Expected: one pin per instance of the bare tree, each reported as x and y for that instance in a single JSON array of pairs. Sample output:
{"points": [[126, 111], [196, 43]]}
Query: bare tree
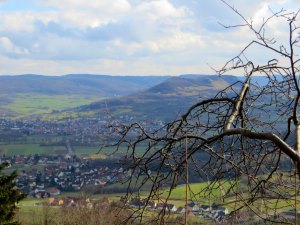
{"points": [[244, 142]]}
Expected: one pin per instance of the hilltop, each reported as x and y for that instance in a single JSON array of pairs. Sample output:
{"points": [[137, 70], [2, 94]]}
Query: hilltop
{"points": [[144, 97], [163, 101], [101, 85]]}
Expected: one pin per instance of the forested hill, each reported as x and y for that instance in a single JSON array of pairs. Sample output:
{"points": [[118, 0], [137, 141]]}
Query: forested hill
{"points": [[27, 95], [166, 100], [102, 85], [159, 97]]}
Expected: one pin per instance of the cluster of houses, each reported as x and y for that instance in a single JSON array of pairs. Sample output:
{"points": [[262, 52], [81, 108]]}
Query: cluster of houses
{"points": [[63, 173], [213, 212], [41, 159], [70, 173], [81, 202], [83, 130]]}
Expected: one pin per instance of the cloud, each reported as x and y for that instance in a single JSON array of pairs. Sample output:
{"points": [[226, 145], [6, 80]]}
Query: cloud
{"points": [[81, 13], [160, 9], [7, 47], [179, 41], [123, 35], [116, 6]]}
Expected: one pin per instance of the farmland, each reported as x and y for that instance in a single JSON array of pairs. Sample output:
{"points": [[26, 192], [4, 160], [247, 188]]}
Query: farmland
{"points": [[30, 149], [35, 148], [29, 104], [30, 208]]}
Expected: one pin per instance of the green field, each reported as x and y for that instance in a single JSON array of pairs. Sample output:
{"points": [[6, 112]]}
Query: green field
{"points": [[105, 150], [37, 139], [32, 211], [29, 209], [29, 104], [30, 149], [85, 150], [35, 148], [194, 189]]}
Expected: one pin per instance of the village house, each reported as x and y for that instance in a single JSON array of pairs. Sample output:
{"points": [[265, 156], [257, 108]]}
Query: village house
{"points": [[171, 208], [194, 207], [54, 191], [205, 208]]}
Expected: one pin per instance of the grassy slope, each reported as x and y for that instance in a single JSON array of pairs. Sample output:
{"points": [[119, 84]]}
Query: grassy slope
{"points": [[166, 100]]}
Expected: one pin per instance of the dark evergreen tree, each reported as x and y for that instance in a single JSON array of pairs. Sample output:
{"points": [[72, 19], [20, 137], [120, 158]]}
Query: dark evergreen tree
{"points": [[9, 197]]}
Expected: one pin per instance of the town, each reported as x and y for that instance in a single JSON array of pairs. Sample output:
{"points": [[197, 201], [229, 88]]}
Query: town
{"points": [[84, 131], [67, 173]]}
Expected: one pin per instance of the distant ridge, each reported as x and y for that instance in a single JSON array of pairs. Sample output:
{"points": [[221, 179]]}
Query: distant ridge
{"points": [[165, 100], [103, 85], [189, 84], [149, 97]]}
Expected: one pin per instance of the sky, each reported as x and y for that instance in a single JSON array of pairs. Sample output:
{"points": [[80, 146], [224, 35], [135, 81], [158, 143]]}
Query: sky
{"points": [[127, 37]]}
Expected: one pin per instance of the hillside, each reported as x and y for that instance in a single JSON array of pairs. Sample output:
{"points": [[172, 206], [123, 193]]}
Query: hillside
{"points": [[24, 95], [164, 101], [146, 97], [102, 85]]}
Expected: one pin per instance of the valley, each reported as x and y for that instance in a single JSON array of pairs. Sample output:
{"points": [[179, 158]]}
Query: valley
{"points": [[60, 137]]}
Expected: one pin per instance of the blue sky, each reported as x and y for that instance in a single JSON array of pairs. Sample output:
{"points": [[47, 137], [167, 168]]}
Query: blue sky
{"points": [[126, 37]]}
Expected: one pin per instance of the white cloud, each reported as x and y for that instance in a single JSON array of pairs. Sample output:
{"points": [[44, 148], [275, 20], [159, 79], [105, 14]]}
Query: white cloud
{"points": [[179, 41], [9, 48], [116, 6], [160, 9], [128, 36], [84, 13], [17, 21]]}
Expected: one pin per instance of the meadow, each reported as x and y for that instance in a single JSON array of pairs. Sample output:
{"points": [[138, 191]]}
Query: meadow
{"points": [[30, 149], [34, 145], [34, 104], [32, 211], [35, 211]]}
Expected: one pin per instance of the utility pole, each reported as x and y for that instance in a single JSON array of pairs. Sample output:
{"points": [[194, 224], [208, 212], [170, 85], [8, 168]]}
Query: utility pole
{"points": [[186, 181]]}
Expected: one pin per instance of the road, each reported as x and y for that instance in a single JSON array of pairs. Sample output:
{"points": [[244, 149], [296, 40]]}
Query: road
{"points": [[69, 148]]}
